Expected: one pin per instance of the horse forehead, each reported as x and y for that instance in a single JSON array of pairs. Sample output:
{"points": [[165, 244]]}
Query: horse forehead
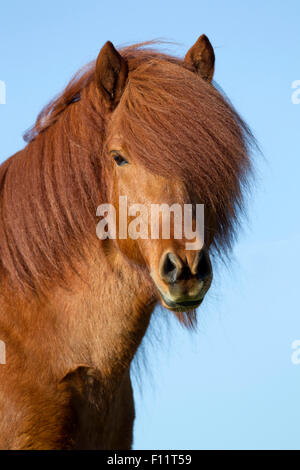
{"points": [[116, 141]]}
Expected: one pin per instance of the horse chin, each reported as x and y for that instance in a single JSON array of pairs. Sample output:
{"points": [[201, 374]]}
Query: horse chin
{"points": [[188, 306]]}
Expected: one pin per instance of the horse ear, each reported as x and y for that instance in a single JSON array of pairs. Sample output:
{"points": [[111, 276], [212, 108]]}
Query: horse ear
{"points": [[201, 58], [111, 73]]}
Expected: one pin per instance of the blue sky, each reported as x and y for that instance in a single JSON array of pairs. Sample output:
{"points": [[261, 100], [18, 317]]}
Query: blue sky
{"points": [[232, 383]]}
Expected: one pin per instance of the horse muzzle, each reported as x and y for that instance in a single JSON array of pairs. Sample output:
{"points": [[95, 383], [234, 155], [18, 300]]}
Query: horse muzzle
{"points": [[182, 284]]}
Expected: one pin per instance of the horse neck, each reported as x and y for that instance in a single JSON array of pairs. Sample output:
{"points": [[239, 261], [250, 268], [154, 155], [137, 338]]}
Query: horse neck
{"points": [[98, 321]]}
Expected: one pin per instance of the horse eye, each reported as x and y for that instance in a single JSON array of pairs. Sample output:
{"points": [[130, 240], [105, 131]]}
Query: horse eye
{"points": [[120, 161]]}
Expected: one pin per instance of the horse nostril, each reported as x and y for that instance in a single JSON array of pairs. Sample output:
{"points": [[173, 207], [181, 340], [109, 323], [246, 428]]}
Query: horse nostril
{"points": [[204, 269], [170, 268]]}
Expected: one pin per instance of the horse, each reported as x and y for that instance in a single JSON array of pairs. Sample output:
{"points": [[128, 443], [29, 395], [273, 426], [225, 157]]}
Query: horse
{"points": [[136, 122]]}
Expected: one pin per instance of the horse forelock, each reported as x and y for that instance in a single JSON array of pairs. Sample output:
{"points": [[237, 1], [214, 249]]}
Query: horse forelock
{"points": [[178, 125]]}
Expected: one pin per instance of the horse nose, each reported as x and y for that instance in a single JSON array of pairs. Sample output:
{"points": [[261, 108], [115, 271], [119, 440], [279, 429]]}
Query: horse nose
{"points": [[173, 269]]}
